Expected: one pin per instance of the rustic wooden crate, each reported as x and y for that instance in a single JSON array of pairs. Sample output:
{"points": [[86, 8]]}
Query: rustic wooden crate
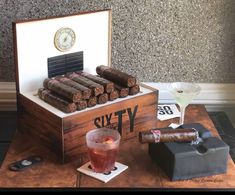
{"points": [[66, 136], [65, 133]]}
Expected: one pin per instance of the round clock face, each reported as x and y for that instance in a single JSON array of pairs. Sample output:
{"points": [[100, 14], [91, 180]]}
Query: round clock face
{"points": [[64, 39]]}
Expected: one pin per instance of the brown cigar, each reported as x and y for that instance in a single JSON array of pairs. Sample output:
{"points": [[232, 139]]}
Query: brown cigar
{"points": [[62, 89], [108, 85], [122, 91], [103, 98], [81, 105], [116, 76], [134, 90], [113, 95], [172, 135], [96, 88], [56, 101], [92, 101], [86, 92]]}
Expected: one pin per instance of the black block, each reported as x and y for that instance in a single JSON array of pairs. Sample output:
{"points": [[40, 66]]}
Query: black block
{"points": [[3, 151], [8, 125], [185, 161]]}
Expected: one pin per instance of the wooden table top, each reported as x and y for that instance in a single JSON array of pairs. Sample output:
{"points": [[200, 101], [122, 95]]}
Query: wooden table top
{"points": [[141, 172]]}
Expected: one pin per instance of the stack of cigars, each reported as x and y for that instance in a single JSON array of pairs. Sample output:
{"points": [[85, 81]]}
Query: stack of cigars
{"points": [[76, 91]]}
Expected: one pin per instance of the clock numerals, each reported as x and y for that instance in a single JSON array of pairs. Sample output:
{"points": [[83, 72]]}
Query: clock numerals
{"points": [[64, 39]]}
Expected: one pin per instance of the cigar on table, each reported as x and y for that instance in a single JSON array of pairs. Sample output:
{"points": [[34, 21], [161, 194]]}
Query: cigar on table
{"points": [[108, 85], [102, 98], [116, 76], [113, 95], [96, 88], [81, 105], [92, 101], [56, 101], [172, 135], [122, 91], [86, 92], [134, 90], [62, 89]]}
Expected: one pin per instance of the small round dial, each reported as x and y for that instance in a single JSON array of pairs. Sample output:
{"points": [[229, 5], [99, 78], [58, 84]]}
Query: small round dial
{"points": [[64, 39]]}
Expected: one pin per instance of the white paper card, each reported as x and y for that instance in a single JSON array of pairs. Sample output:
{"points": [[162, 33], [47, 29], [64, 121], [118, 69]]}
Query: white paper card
{"points": [[86, 169], [167, 111], [174, 125]]}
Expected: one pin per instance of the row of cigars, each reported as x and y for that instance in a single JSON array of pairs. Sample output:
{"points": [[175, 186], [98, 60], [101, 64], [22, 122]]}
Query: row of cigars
{"points": [[79, 90]]}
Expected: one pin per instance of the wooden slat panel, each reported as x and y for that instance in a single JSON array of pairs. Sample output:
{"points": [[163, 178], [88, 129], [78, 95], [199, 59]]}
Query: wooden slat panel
{"points": [[24, 104], [39, 124], [145, 118]]}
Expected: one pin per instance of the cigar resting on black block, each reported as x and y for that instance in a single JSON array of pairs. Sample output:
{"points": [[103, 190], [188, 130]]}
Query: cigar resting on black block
{"points": [[116, 76], [86, 92], [81, 105], [92, 101], [56, 101], [134, 90], [62, 89], [102, 98], [113, 95], [96, 88], [122, 91], [108, 85], [172, 135]]}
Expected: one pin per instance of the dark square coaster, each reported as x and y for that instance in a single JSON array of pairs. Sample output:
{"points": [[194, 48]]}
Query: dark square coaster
{"points": [[7, 125]]}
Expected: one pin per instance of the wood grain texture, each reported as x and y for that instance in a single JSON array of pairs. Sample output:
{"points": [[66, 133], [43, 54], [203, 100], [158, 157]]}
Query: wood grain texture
{"points": [[66, 136], [129, 117], [41, 125], [49, 173]]}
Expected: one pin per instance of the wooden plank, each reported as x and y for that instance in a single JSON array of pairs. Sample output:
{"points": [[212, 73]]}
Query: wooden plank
{"points": [[24, 104], [36, 126], [49, 173]]}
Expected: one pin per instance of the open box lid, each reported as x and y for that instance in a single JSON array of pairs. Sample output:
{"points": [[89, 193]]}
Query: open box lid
{"points": [[34, 42]]}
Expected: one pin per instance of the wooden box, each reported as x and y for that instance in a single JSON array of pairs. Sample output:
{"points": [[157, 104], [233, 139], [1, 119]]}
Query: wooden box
{"points": [[61, 132]]}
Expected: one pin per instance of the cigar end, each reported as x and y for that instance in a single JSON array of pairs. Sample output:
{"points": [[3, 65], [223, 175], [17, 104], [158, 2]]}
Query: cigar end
{"points": [[131, 82]]}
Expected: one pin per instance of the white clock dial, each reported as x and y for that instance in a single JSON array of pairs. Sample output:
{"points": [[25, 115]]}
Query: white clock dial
{"points": [[64, 39]]}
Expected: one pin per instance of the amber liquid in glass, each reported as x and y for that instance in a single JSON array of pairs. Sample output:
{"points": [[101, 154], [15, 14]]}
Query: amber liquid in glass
{"points": [[102, 161]]}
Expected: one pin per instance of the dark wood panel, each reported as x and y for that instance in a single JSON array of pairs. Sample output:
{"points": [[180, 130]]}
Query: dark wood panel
{"points": [[40, 125], [26, 105], [137, 114]]}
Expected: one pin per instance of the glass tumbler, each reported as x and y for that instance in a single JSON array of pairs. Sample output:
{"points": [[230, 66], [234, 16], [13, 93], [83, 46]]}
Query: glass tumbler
{"points": [[103, 145]]}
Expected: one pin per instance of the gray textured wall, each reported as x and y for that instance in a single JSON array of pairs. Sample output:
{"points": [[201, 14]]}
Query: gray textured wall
{"points": [[156, 40]]}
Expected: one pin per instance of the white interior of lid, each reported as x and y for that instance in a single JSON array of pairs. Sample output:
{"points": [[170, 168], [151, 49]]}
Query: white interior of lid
{"points": [[35, 44], [34, 97]]}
